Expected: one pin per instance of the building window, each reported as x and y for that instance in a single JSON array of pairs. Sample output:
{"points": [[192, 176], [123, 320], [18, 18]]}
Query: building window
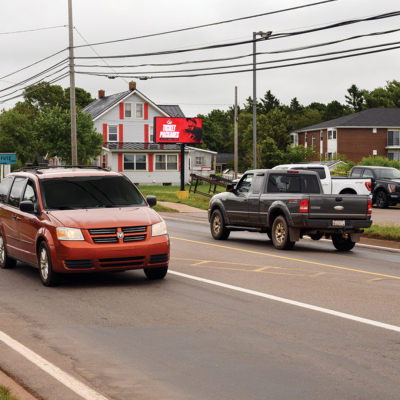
{"points": [[166, 162], [128, 110], [151, 134], [329, 156], [295, 139], [332, 135], [200, 161], [394, 156], [393, 138], [305, 138], [135, 162], [313, 140], [139, 110], [104, 161], [113, 133]]}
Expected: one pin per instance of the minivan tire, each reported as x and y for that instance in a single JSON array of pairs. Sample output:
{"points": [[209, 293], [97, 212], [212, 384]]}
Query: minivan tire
{"points": [[46, 272], [5, 260], [156, 273]]}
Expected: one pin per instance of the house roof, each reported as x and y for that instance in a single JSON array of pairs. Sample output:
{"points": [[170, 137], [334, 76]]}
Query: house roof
{"points": [[372, 118], [200, 149], [172, 110], [103, 104]]}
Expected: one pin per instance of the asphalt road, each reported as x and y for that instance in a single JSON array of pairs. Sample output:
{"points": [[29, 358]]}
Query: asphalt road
{"points": [[233, 319]]}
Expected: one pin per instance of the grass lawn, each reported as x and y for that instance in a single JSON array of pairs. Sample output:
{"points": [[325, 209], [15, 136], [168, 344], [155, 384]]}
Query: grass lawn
{"points": [[168, 193], [383, 231]]}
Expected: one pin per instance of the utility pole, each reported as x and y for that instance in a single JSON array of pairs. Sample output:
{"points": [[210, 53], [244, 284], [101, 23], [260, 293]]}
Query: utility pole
{"points": [[236, 137], [74, 149]]}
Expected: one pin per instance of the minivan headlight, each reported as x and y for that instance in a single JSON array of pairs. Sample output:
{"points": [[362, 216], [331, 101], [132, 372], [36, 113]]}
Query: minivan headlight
{"points": [[159, 229], [64, 233]]}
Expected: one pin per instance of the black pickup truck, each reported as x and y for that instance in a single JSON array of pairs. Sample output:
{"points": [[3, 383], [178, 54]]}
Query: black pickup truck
{"points": [[286, 205], [385, 183]]}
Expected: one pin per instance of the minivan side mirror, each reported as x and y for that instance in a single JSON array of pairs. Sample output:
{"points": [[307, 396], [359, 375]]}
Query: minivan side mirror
{"points": [[151, 200], [27, 206]]}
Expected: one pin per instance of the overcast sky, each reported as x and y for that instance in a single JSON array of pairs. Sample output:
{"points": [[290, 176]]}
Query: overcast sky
{"points": [[103, 20]]}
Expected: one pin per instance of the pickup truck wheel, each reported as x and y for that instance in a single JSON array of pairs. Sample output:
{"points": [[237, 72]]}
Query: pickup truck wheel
{"points": [[218, 228], [341, 243], [381, 200], [280, 234], [5, 261]]}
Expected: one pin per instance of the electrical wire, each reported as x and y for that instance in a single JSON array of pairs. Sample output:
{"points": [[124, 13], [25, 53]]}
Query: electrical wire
{"points": [[208, 25], [33, 30], [257, 69]]}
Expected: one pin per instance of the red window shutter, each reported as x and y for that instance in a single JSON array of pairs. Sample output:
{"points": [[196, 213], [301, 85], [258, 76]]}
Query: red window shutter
{"points": [[121, 110], [105, 131], [146, 133], [179, 162], [146, 110], [151, 162], [121, 133], [120, 162]]}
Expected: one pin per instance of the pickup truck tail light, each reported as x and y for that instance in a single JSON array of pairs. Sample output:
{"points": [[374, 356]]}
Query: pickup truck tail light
{"points": [[368, 185], [303, 208], [369, 207]]}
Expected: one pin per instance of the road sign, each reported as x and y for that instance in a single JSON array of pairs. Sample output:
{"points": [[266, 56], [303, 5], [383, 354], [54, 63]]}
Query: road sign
{"points": [[8, 158]]}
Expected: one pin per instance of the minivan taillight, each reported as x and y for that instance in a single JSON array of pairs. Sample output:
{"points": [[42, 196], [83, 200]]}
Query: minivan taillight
{"points": [[304, 206], [368, 185], [369, 207]]}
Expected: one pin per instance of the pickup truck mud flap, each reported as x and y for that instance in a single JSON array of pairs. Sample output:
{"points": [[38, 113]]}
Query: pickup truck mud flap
{"points": [[294, 234]]}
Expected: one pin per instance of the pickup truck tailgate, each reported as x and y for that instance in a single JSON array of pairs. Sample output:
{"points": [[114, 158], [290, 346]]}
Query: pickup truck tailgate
{"points": [[346, 206]]}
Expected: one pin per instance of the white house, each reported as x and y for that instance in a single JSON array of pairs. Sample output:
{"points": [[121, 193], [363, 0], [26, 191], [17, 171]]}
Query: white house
{"points": [[126, 121]]}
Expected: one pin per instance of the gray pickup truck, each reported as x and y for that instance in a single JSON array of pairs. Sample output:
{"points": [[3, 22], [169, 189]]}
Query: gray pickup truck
{"points": [[286, 205]]}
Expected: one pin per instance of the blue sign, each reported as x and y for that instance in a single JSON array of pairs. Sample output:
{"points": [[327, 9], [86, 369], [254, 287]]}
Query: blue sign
{"points": [[8, 158]]}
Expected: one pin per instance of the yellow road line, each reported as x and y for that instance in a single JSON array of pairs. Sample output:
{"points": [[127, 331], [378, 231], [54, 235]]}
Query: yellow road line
{"points": [[287, 258]]}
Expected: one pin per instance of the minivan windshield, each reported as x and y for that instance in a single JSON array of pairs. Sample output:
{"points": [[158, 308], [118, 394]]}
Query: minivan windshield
{"points": [[89, 192], [388, 173]]}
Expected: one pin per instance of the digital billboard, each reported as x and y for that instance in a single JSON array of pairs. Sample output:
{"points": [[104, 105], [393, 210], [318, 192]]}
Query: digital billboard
{"points": [[178, 130]]}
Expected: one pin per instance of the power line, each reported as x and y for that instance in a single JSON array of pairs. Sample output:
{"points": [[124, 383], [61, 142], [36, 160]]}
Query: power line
{"points": [[33, 30], [259, 69], [207, 25], [242, 56], [271, 37]]}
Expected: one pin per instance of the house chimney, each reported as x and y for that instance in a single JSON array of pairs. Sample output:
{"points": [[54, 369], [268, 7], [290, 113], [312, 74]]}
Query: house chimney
{"points": [[102, 93], [132, 85]]}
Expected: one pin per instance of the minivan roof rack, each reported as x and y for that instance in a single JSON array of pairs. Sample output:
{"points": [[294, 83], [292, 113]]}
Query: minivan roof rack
{"points": [[37, 169]]}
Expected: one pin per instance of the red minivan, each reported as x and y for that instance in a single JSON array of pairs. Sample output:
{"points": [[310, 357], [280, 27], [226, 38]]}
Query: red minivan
{"points": [[78, 220]]}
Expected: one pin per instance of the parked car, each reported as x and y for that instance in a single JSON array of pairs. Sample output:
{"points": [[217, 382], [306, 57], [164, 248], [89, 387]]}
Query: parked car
{"points": [[333, 184], [287, 204], [385, 183], [76, 220]]}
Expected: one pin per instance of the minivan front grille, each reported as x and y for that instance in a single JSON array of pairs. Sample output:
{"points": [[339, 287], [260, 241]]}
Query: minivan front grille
{"points": [[103, 231], [111, 235], [134, 229], [108, 239], [78, 264], [134, 238], [121, 262], [159, 258]]}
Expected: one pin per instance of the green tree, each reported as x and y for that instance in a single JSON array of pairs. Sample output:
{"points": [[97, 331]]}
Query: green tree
{"points": [[212, 134], [299, 154], [308, 117], [355, 98], [16, 135], [269, 102], [53, 128], [317, 106], [270, 154], [378, 98], [335, 110]]}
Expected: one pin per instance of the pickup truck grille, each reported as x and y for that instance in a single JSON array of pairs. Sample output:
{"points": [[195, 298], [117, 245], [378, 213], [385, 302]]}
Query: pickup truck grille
{"points": [[113, 235]]}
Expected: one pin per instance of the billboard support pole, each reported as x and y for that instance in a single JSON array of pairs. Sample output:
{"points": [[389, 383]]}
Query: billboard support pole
{"points": [[182, 166]]}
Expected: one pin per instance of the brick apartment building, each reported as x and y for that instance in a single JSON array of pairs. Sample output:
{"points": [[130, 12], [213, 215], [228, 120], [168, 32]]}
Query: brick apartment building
{"points": [[373, 132]]}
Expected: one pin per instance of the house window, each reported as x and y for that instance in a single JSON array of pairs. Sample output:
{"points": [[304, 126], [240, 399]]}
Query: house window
{"points": [[166, 162], [305, 138], [104, 161], [393, 138], [135, 162], [295, 139], [329, 156], [128, 110], [394, 156], [139, 110], [332, 135], [113, 133], [151, 134], [313, 140], [200, 161]]}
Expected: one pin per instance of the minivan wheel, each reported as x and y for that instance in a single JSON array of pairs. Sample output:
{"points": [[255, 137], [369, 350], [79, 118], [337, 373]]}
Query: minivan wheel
{"points": [[156, 273], [5, 260], [341, 243], [47, 275], [280, 234], [218, 228]]}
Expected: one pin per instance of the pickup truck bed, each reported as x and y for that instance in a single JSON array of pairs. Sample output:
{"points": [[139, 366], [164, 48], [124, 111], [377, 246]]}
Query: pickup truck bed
{"points": [[287, 205]]}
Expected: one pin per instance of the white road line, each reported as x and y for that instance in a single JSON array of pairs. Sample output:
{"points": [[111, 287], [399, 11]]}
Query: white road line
{"points": [[292, 302], [66, 379]]}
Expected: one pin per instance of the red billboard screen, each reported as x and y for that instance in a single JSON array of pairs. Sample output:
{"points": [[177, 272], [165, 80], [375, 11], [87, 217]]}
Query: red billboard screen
{"points": [[178, 130]]}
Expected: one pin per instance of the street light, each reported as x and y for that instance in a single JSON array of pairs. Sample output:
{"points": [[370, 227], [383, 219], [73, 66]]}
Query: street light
{"points": [[264, 35]]}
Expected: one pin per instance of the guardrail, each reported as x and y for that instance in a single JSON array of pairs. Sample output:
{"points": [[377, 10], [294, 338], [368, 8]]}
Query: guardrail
{"points": [[213, 182]]}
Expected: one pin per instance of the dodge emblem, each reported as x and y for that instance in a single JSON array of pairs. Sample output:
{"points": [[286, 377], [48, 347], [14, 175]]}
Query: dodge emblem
{"points": [[120, 235]]}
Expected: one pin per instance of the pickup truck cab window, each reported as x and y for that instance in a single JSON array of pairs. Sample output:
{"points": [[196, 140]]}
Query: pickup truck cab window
{"points": [[293, 183], [245, 183], [356, 173], [257, 183], [368, 173]]}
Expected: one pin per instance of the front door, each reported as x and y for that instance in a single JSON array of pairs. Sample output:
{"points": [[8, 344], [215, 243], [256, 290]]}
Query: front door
{"points": [[236, 204]]}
